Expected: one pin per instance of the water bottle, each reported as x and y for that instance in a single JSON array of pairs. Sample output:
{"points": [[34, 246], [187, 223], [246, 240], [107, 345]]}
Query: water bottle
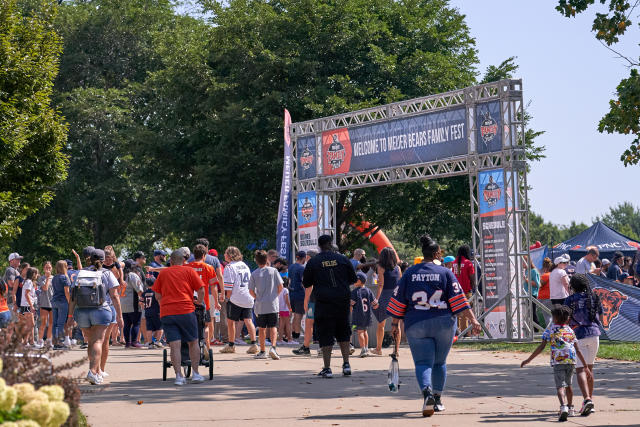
{"points": [[216, 315], [393, 376]]}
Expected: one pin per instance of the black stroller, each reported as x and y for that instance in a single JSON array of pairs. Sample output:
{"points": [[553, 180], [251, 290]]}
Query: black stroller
{"points": [[184, 350]]}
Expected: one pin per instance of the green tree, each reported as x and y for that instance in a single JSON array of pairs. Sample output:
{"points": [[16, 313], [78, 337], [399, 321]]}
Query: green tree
{"points": [[624, 111], [32, 133], [625, 218]]}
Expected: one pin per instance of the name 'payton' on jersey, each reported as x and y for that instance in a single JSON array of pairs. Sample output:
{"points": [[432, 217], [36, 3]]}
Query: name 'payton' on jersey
{"points": [[425, 277]]}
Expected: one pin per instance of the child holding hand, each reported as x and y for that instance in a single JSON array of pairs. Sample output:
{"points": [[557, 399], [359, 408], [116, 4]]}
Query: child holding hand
{"points": [[564, 353]]}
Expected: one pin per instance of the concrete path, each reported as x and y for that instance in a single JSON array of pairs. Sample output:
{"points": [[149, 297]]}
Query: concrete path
{"points": [[482, 388]]}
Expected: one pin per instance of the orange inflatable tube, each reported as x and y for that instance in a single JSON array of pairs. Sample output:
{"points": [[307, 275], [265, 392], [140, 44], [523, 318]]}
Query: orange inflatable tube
{"points": [[379, 239]]}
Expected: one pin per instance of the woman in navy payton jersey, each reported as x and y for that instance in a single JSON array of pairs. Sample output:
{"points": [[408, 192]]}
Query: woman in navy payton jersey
{"points": [[427, 298]]}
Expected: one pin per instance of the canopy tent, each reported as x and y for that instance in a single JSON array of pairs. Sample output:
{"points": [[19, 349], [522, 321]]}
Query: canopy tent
{"points": [[603, 237]]}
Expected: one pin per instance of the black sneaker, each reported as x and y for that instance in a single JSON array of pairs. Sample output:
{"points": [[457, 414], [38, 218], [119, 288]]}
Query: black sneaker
{"points": [[325, 373], [84, 346], [438, 406], [429, 403], [587, 408], [346, 369], [302, 351]]}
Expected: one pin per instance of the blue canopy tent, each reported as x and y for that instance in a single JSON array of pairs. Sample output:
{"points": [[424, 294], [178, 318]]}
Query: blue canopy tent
{"points": [[603, 237]]}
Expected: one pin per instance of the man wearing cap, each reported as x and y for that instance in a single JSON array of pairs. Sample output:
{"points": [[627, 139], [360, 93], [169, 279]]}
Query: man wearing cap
{"points": [[559, 280], [615, 269], [605, 267], [296, 292], [10, 277], [329, 276], [448, 261], [586, 265], [159, 261], [174, 290]]}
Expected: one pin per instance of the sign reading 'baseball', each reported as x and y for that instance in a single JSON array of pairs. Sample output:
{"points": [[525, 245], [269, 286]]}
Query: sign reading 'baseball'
{"points": [[413, 140]]}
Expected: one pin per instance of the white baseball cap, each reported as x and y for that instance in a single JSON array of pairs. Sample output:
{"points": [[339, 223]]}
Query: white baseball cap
{"points": [[14, 255], [561, 258]]}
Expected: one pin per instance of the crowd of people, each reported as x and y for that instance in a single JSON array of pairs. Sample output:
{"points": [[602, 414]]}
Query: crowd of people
{"points": [[101, 302]]}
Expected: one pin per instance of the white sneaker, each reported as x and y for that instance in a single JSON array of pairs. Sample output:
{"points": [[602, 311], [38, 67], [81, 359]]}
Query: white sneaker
{"points": [[94, 378], [196, 378], [37, 345], [103, 374], [74, 342], [180, 380], [67, 341], [364, 352], [274, 354], [261, 355], [294, 342]]}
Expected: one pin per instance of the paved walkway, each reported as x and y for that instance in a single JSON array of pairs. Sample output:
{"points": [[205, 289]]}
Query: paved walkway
{"points": [[482, 388]]}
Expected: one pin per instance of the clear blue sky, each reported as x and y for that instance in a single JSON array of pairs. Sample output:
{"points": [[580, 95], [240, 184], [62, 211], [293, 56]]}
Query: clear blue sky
{"points": [[569, 78]]}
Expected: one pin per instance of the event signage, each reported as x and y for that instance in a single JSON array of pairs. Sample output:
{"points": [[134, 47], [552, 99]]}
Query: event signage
{"points": [[400, 142], [307, 221], [488, 127], [306, 157], [620, 319], [283, 231], [494, 250]]}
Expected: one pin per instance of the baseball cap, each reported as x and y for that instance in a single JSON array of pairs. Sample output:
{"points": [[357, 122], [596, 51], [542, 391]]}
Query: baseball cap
{"points": [[69, 263], [449, 258], [301, 254], [14, 255], [186, 252], [561, 258], [623, 276], [159, 252], [617, 254], [129, 263], [213, 252], [139, 254], [88, 251], [361, 276], [605, 261], [98, 254]]}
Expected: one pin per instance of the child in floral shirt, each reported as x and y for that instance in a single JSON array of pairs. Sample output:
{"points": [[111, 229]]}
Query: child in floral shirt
{"points": [[564, 350]]}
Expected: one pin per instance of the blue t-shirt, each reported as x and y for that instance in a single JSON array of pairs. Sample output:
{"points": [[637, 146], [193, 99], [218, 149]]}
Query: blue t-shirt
{"points": [[426, 291], [296, 290], [355, 263], [362, 300], [151, 306], [391, 278], [580, 321], [208, 259], [614, 271], [58, 283]]}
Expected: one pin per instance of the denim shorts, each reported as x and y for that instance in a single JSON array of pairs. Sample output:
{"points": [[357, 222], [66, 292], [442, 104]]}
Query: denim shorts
{"points": [[113, 314], [5, 319], [88, 317], [180, 327]]}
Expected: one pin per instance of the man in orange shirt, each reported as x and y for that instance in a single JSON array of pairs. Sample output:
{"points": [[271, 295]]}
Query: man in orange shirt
{"points": [[208, 276], [174, 289]]}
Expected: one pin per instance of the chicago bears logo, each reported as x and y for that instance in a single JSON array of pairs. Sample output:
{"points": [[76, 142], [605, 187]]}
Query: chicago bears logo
{"points": [[611, 303], [336, 153], [488, 128], [491, 193], [307, 209], [306, 158]]}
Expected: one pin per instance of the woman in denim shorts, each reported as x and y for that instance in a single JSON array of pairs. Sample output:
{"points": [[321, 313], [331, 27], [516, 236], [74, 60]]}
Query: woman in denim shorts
{"points": [[94, 321]]}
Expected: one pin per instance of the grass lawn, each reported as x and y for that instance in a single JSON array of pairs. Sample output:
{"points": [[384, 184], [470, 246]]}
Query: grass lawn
{"points": [[618, 350]]}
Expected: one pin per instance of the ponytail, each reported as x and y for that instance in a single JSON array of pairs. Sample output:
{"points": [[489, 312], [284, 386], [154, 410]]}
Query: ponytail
{"points": [[429, 247]]}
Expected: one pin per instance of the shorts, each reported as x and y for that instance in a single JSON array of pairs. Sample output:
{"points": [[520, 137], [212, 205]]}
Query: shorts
{"points": [[212, 304], [362, 327], [113, 314], [153, 323], [283, 314], [311, 310], [563, 374], [24, 310], [269, 320], [5, 319], [180, 327], [46, 308], [383, 302], [559, 301], [237, 313], [88, 317], [589, 348], [332, 323], [297, 306]]}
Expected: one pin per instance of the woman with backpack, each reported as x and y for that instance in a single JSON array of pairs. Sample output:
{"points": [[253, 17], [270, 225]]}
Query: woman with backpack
{"points": [[130, 298], [93, 295], [586, 308]]}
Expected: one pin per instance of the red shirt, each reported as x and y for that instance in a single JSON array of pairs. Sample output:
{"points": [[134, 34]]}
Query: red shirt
{"points": [[544, 292], [206, 273], [463, 273], [177, 284]]}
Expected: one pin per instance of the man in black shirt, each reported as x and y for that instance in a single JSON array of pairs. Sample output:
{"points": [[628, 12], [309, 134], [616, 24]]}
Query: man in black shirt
{"points": [[329, 276]]}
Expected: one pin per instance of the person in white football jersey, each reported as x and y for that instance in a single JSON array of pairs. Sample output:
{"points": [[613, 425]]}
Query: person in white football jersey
{"points": [[240, 305]]}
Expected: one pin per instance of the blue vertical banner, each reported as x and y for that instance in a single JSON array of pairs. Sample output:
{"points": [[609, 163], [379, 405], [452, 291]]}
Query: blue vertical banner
{"points": [[283, 232]]}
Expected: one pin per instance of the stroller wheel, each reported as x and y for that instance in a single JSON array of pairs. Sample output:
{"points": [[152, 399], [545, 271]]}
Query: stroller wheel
{"points": [[164, 365], [210, 364]]}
